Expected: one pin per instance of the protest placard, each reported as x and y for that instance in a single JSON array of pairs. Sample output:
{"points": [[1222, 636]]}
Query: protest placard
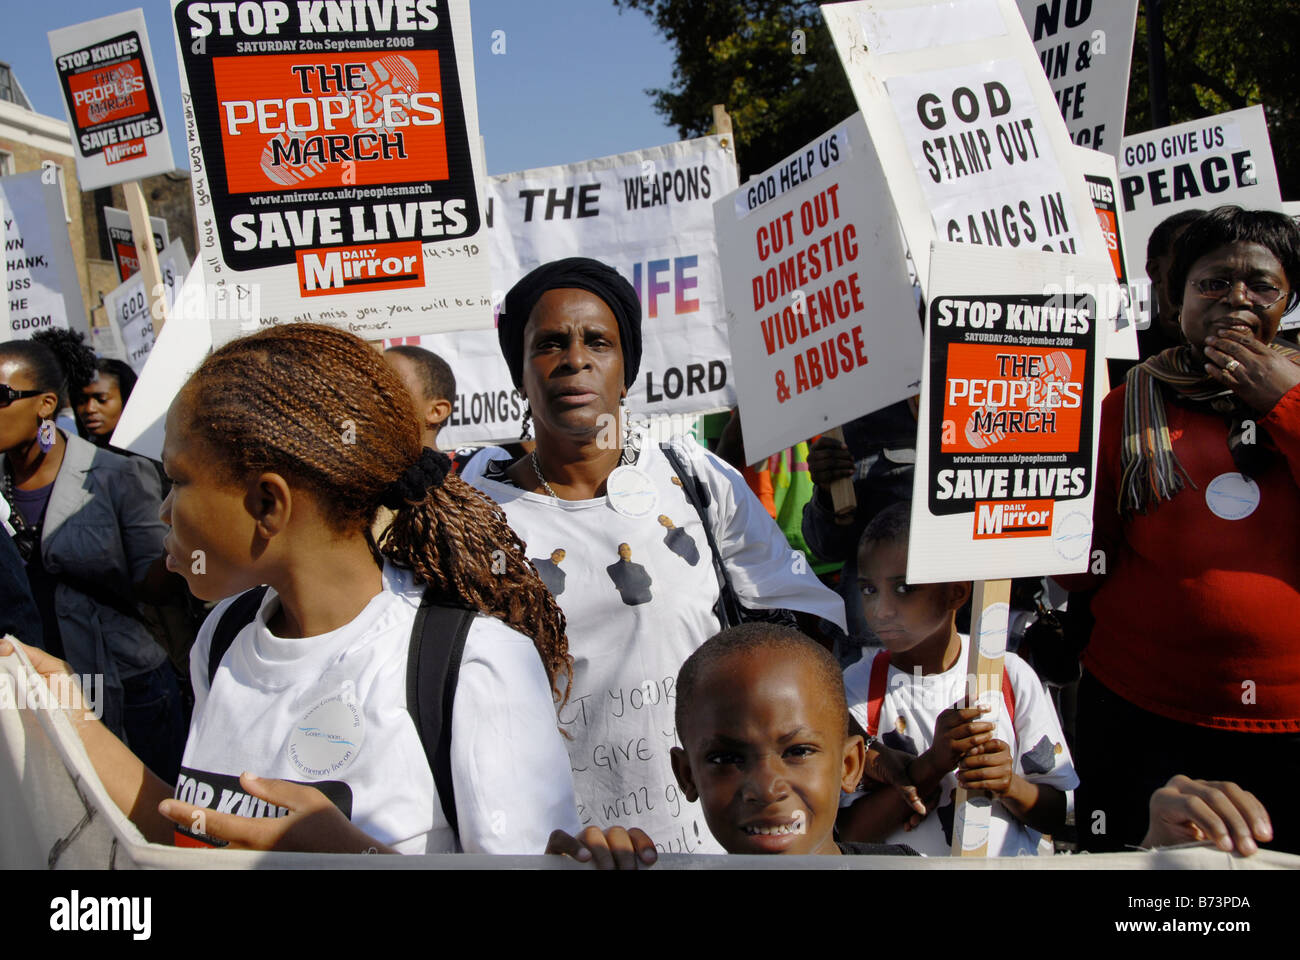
{"points": [[121, 242], [181, 346], [41, 283], [335, 164], [1085, 48], [1201, 164], [822, 324], [1007, 446], [110, 92], [969, 136], [648, 214], [128, 305], [1103, 187]]}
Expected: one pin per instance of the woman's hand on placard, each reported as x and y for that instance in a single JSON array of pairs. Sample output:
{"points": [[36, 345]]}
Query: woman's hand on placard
{"points": [[312, 825]]}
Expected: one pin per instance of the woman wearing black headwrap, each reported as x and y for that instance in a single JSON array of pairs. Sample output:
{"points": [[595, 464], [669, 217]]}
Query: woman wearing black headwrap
{"points": [[594, 493]]}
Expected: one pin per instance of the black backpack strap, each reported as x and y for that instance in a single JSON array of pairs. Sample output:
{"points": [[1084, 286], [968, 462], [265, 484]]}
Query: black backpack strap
{"points": [[728, 609], [432, 670], [237, 616]]}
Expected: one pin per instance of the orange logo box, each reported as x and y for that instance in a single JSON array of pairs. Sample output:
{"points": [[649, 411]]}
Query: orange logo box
{"points": [[130, 150], [289, 121], [365, 267], [1003, 519], [112, 93]]}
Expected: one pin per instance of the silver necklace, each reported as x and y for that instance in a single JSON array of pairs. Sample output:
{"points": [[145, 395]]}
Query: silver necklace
{"points": [[623, 458], [541, 479]]}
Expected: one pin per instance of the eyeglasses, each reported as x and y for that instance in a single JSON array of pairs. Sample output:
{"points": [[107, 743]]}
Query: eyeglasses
{"points": [[1259, 294], [8, 394]]}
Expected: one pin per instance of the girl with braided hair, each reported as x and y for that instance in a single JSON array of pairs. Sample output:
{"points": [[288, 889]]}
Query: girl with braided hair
{"points": [[282, 448]]}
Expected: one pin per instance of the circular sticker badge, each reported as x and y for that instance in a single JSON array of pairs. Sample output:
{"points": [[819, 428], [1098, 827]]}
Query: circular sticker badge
{"points": [[971, 822], [631, 493], [1232, 496], [992, 640], [328, 737], [1073, 535]]}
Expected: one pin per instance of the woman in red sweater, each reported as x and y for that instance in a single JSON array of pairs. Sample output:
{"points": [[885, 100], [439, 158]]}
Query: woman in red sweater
{"points": [[1193, 665]]}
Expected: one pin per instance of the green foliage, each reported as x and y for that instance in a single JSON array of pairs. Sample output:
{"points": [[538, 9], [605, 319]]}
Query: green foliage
{"points": [[741, 54], [1220, 55], [1224, 55]]}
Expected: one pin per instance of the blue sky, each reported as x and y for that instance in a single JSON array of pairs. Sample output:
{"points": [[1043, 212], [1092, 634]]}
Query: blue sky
{"points": [[570, 86]]}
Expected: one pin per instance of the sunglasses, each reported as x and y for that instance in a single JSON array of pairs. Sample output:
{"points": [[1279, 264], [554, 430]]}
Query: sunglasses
{"points": [[1259, 294], [8, 394]]}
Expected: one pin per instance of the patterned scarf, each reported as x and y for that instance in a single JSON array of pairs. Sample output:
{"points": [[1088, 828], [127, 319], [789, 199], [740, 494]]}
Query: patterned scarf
{"points": [[1151, 471]]}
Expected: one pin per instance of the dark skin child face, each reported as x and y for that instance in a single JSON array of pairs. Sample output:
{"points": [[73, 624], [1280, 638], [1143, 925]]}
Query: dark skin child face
{"points": [[573, 364], [1251, 263], [767, 755]]}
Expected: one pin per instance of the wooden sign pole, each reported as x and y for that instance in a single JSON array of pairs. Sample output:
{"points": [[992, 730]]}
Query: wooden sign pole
{"points": [[990, 613], [843, 498], [150, 271]]}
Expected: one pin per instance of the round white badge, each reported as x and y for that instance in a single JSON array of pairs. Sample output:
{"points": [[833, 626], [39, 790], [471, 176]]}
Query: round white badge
{"points": [[992, 640], [631, 492], [328, 737], [1232, 496]]}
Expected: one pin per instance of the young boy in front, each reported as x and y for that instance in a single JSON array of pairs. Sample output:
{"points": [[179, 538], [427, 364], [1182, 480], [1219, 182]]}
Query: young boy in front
{"points": [[920, 677], [766, 749]]}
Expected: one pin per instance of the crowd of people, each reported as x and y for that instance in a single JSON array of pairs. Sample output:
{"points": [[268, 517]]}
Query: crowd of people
{"points": [[600, 646]]}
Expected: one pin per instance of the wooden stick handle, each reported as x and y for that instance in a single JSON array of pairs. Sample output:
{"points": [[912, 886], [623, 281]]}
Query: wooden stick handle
{"points": [[843, 499], [150, 271], [990, 613]]}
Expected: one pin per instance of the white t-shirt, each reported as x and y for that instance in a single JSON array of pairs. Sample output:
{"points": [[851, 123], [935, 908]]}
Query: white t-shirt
{"points": [[331, 711], [1041, 754], [633, 620]]}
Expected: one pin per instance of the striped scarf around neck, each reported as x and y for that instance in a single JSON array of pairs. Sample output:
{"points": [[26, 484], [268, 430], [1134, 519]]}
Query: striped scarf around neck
{"points": [[1150, 469]]}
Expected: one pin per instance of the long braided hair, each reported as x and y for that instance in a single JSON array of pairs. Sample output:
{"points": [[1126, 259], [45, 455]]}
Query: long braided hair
{"points": [[322, 408]]}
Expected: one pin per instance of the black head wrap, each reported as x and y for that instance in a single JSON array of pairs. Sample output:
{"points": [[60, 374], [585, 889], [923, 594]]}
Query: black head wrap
{"points": [[580, 273]]}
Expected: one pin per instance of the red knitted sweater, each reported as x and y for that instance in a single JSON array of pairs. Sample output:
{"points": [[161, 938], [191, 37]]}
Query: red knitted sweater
{"points": [[1198, 617]]}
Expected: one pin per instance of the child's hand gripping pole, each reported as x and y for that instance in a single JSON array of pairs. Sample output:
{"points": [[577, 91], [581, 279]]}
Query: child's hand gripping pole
{"points": [[990, 612]]}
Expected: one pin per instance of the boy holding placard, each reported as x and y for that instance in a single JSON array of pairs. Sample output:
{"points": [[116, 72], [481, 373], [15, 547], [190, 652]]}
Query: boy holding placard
{"points": [[1018, 754]]}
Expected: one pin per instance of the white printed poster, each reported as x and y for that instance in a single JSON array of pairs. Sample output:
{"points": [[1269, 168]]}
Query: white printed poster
{"points": [[648, 214], [823, 327], [121, 240], [967, 130], [1006, 465], [41, 282], [1086, 47], [110, 92], [127, 306], [336, 163], [1201, 164], [1103, 187]]}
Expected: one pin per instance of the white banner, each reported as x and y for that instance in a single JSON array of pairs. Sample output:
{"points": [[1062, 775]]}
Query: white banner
{"points": [[110, 93], [1201, 164], [969, 136], [41, 282], [127, 306], [648, 214], [336, 163], [1085, 48], [823, 327], [1006, 460]]}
